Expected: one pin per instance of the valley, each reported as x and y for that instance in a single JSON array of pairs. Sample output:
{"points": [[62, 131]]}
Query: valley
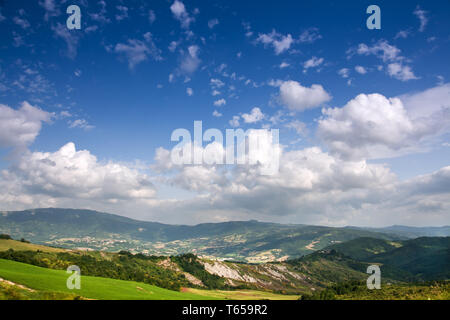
{"points": [[120, 259], [246, 241]]}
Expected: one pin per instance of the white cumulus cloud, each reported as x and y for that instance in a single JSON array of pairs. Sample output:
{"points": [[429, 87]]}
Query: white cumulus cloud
{"points": [[71, 175], [19, 128], [299, 98], [373, 126], [279, 42], [400, 72]]}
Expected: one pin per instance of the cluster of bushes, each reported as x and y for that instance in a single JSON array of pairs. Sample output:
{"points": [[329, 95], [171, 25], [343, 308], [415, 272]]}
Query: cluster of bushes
{"points": [[335, 289], [29, 257], [357, 290], [4, 236]]}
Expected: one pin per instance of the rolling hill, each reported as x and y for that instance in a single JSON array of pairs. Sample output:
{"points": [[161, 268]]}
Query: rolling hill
{"points": [[249, 241], [28, 266], [424, 258]]}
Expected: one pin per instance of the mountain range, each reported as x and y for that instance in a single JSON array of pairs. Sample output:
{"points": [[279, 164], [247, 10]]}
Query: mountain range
{"points": [[249, 241]]}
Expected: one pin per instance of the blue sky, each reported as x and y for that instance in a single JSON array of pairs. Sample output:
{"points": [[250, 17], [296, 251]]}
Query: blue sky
{"points": [[137, 70]]}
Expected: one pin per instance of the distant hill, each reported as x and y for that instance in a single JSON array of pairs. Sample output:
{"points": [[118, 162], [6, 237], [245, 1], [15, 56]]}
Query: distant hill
{"points": [[329, 266], [250, 241], [411, 232], [425, 258], [364, 248]]}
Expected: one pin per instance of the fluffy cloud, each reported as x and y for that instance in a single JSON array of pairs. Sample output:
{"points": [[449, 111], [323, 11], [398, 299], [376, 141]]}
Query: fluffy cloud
{"points": [[309, 35], [279, 42], [151, 16], [390, 55], [21, 22], [400, 72], [310, 185], [199, 178], [360, 69], [374, 126], [216, 83], [421, 15], [312, 63], [68, 174], [220, 102], [212, 23], [19, 128], [80, 123], [436, 100], [402, 34], [344, 72], [180, 13], [137, 51], [101, 16], [299, 98], [217, 114], [234, 122], [254, 116], [298, 126], [123, 13], [382, 49], [190, 61], [364, 123], [51, 9], [71, 39]]}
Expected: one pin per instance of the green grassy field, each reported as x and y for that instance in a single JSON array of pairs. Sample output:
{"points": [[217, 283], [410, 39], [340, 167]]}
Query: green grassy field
{"points": [[49, 280], [51, 284], [24, 246]]}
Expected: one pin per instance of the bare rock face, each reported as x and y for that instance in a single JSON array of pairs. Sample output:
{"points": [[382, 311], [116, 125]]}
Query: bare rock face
{"points": [[168, 264], [193, 279], [222, 270]]}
